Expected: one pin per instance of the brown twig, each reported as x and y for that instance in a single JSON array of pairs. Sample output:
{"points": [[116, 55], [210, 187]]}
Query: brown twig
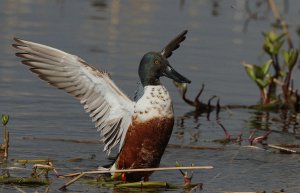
{"points": [[227, 135], [81, 174], [25, 161], [64, 187], [280, 83], [289, 145], [199, 106], [197, 102], [254, 140], [218, 108], [283, 149], [19, 189]]}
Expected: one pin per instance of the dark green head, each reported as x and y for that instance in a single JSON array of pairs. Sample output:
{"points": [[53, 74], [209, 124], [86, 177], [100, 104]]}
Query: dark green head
{"points": [[153, 65]]}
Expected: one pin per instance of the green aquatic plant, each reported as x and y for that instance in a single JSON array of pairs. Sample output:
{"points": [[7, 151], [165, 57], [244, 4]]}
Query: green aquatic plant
{"points": [[22, 181], [187, 179], [260, 75], [78, 175], [282, 73], [290, 59], [273, 43]]}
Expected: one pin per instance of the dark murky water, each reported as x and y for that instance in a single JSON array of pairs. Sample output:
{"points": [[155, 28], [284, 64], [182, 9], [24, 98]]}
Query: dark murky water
{"points": [[114, 35]]}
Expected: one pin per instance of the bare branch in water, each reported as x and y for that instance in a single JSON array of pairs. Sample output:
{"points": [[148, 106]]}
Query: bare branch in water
{"points": [[255, 140], [81, 174]]}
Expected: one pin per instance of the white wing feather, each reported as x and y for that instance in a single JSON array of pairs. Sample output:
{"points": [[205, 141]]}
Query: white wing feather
{"points": [[109, 108]]}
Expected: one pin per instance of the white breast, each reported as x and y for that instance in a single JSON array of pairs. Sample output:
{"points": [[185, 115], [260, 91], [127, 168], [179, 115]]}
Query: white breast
{"points": [[155, 102]]}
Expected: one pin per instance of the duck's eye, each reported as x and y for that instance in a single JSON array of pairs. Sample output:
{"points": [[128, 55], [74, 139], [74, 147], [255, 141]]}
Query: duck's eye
{"points": [[156, 61]]}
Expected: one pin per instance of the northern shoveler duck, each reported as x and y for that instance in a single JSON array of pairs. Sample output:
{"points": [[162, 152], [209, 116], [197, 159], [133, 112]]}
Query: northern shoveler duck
{"points": [[143, 127]]}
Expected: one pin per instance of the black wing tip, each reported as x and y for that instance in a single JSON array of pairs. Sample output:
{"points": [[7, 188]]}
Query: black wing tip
{"points": [[184, 32], [182, 35], [174, 44]]}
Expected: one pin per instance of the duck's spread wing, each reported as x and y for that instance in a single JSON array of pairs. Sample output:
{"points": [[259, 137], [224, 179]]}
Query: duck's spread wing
{"points": [[173, 44], [108, 107]]}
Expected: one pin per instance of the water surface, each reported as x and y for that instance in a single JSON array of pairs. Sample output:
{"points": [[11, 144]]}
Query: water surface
{"points": [[114, 35]]}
